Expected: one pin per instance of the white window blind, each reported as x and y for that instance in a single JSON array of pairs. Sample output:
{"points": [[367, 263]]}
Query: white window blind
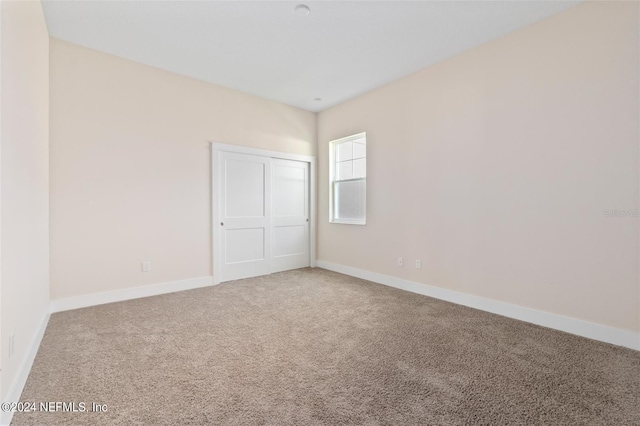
{"points": [[348, 176]]}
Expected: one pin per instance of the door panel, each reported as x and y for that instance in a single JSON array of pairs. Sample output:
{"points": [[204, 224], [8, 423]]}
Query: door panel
{"points": [[290, 224], [289, 240], [244, 245], [244, 215], [290, 188], [244, 189]]}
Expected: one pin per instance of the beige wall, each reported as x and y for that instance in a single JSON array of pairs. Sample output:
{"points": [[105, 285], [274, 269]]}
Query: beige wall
{"points": [[495, 168], [24, 181], [130, 167]]}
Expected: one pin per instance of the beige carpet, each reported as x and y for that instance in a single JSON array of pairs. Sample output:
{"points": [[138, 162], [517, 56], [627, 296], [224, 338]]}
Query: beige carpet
{"points": [[314, 347]]}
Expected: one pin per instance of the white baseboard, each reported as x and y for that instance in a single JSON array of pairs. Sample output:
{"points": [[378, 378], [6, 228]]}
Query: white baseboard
{"points": [[77, 302], [582, 328], [15, 391]]}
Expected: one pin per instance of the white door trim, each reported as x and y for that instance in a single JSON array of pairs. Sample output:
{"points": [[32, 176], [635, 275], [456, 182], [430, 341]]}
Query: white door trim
{"points": [[216, 148]]}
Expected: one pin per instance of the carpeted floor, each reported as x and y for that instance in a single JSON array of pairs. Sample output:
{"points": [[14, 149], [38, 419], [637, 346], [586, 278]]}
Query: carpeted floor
{"points": [[312, 347]]}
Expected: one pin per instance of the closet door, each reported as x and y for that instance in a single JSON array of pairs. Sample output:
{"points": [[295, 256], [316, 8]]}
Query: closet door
{"points": [[245, 208], [290, 215]]}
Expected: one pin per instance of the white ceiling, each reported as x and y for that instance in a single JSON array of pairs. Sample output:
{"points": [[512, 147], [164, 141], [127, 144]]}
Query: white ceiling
{"points": [[340, 50]]}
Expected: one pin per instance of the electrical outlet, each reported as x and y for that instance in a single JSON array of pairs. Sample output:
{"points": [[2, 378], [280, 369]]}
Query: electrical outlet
{"points": [[418, 264], [12, 345], [400, 261], [146, 266]]}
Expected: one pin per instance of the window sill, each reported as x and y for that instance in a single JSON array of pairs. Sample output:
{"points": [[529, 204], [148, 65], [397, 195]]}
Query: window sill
{"points": [[348, 222]]}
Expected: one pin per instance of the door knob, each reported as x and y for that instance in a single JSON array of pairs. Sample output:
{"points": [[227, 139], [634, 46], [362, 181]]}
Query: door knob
{"points": [[221, 223]]}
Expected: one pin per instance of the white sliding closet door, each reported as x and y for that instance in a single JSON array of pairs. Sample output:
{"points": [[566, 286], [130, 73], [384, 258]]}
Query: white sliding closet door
{"points": [[290, 214], [263, 215], [245, 208]]}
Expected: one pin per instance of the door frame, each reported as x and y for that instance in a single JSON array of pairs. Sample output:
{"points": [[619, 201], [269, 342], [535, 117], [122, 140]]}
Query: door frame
{"points": [[216, 240]]}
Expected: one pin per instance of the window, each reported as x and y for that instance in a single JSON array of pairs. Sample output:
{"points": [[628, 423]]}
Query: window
{"points": [[348, 175]]}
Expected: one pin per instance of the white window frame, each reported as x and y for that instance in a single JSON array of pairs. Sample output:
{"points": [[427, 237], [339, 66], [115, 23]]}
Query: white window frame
{"points": [[332, 164]]}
